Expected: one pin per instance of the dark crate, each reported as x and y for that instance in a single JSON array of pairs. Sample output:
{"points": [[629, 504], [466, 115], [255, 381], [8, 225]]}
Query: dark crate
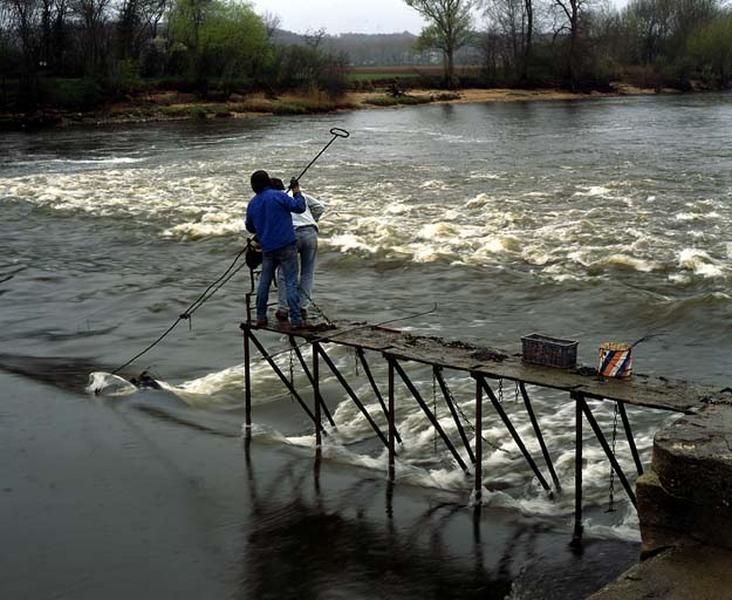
{"points": [[548, 351]]}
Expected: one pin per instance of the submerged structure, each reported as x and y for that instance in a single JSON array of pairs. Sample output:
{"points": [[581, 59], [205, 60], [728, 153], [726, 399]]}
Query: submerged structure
{"points": [[486, 366]]}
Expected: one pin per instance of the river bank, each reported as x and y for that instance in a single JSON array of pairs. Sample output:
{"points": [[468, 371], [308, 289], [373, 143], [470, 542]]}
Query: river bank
{"points": [[177, 106]]}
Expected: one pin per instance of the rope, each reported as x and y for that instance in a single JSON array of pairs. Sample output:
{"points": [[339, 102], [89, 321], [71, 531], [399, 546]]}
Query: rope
{"points": [[207, 294]]}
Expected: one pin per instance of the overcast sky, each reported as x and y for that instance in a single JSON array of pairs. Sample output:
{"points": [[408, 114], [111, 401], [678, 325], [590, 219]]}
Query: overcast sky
{"points": [[343, 16]]}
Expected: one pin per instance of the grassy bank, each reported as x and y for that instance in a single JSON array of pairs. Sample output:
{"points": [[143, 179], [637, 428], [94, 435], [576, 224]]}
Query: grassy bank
{"points": [[176, 105]]}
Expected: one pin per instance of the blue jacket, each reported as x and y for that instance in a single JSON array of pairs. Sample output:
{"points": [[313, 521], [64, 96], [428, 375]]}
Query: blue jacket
{"points": [[268, 216]]}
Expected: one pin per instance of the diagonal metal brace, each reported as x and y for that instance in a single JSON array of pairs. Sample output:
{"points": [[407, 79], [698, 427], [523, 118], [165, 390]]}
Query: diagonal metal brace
{"points": [[512, 430], [437, 371], [311, 378], [285, 381], [366, 369], [319, 349], [432, 419], [608, 451]]}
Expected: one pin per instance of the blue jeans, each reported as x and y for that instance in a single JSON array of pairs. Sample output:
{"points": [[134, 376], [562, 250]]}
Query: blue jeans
{"points": [[286, 259], [307, 248]]}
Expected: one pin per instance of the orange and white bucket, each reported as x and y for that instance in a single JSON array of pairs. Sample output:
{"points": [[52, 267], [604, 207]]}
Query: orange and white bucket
{"points": [[615, 360]]}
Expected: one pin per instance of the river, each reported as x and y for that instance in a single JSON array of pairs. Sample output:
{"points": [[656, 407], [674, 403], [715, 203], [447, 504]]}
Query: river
{"points": [[590, 220]]}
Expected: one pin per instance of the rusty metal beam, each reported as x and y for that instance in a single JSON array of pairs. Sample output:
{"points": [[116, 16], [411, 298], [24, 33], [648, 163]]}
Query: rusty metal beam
{"points": [[437, 371], [539, 436], [311, 378], [629, 437], [512, 430], [342, 380], [608, 451], [432, 419], [285, 380], [367, 370]]}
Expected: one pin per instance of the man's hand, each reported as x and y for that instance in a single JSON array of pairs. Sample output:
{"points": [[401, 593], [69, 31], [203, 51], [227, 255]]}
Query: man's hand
{"points": [[294, 186]]}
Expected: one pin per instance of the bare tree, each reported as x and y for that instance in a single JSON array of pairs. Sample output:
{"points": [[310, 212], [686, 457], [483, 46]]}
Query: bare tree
{"points": [[93, 16], [271, 22], [570, 13], [512, 21], [314, 37], [449, 29]]}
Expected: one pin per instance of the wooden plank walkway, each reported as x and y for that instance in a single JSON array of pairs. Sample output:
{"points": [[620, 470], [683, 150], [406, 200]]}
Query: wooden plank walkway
{"points": [[640, 390]]}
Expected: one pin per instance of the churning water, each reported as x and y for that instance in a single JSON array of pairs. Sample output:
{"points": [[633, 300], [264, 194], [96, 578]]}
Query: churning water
{"points": [[599, 220]]}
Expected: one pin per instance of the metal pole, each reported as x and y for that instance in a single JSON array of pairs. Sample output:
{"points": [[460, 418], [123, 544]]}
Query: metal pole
{"points": [[318, 402], [577, 535], [247, 383], [631, 440], [608, 451], [318, 348], [539, 436], [446, 393], [478, 442], [514, 434], [284, 380], [391, 417], [310, 377], [374, 387], [432, 419]]}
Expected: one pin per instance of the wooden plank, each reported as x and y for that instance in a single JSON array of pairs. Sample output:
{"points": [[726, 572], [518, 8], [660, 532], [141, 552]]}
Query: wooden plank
{"points": [[640, 390]]}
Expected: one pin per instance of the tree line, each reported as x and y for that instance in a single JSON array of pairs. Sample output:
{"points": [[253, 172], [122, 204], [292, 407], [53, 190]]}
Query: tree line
{"points": [[80, 52], [585, 42]]}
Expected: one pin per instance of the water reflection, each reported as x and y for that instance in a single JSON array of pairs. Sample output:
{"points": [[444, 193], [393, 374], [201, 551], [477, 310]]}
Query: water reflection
{"points": [[303, 544]]}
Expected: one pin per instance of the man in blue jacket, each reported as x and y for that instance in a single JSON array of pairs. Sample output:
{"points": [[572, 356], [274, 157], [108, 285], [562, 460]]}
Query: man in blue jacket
{"points": [[269, 216]]}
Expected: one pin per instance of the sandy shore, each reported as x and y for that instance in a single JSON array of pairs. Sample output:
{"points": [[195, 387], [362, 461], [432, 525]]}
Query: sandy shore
{"points": [[170, 106]]}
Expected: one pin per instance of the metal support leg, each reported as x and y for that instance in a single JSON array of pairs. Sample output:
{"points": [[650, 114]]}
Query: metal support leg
{"points": [[608, 451], [247, 383], [311, 378], [392, 425], [432, 419], [448, 400], [374, 387], [512, 430], [284, 380], [577, 535], [318, 348], [318, 402], [629, 436], [478, 442], [539, 436]]}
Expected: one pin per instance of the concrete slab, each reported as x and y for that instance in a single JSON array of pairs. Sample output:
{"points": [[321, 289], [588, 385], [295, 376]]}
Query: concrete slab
{"points": [[683, 573]]}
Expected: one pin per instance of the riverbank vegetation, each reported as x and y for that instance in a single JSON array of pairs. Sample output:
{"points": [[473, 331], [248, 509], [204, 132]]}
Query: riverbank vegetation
{"points": [[217, 57]]}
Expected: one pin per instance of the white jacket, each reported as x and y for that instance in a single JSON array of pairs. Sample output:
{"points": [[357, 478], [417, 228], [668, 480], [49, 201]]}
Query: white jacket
{"points": [[314, 209]]}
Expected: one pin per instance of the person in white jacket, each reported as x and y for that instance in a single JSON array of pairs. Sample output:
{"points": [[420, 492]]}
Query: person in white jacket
{"points": [[306, 231]]}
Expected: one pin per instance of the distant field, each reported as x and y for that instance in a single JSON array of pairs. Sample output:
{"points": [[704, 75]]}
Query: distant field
{"points": [[404, 72]]}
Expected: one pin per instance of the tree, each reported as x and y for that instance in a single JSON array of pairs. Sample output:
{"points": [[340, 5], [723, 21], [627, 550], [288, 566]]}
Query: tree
{"points": [[449, 29], [711, 46], [571, 13], [513, 21]]}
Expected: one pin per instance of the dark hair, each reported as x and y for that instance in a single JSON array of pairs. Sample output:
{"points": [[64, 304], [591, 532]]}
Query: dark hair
{"points": [[277, 183], [260, 181]]}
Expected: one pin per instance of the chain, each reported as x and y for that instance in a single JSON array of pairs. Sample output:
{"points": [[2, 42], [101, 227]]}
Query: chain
{"points": [[500, 391], [356, 365], [516, 393], [611, 491], [470, 424]]}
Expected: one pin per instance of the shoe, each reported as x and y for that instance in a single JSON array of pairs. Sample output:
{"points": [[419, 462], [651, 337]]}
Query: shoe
{"points": [[281, 315], [261, 322]]}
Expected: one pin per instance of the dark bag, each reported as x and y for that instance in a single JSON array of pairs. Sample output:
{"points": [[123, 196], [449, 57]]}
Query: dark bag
{"points": [[253, 255]]}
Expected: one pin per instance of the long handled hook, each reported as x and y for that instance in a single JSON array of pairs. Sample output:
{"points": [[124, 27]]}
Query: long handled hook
{"points": [[336, 132]]}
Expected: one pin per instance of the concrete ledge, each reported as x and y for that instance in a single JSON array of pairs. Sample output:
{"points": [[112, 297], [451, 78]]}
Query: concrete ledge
{"points": [[682, 573], [693, 459]]}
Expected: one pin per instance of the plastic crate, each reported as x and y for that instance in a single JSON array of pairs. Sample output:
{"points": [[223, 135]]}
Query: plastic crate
{"points": [[541, 349]]}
